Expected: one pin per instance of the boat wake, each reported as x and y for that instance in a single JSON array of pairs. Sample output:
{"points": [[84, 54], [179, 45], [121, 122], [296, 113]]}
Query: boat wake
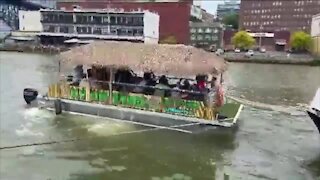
{"points": [[109, 128], [298, 110]]}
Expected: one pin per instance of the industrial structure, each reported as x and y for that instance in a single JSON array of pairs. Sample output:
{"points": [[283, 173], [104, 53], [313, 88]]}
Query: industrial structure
{"points": [[9, 11], [174, 16], [61, 25]]}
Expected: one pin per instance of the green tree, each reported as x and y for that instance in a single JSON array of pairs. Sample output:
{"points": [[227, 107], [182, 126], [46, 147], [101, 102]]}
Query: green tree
{"points": [[231, 20], [243, 40], [300, 41]]}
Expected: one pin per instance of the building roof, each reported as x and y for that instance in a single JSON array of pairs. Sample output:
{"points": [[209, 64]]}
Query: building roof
{"points": [[205, 24], [207, 17], [109, 10]]}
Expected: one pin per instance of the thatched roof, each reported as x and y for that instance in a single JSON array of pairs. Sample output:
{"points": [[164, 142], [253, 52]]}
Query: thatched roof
{"points": [[177, 60]]}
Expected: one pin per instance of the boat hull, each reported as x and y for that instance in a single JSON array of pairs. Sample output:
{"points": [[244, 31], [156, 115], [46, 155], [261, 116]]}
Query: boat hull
{"points": [[315, 119], [137, 116]]}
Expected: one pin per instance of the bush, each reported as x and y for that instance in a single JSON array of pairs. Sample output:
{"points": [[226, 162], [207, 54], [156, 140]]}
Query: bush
{"points": [[243, 40], [300, 41]]}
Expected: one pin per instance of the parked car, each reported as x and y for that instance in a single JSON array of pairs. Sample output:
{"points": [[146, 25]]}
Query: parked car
{"points": [[237, 50], [250, 53], [262, 50], [219, 52]]}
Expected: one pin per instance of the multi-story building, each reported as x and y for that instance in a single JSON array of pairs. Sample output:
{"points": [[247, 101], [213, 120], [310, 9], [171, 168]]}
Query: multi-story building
{"points": [[174, 16], [98, 24], [315, 34], [275, 15], [205, 35], [30, 21], [46, 3], [229, 7]]}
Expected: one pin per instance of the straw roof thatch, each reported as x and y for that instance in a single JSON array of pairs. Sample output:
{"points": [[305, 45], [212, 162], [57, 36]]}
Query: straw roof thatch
{"points": [[177, 60]]}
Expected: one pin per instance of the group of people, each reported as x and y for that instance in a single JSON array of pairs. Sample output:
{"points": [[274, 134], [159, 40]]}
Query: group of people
{"points": [[182, 89], [149, 84]]}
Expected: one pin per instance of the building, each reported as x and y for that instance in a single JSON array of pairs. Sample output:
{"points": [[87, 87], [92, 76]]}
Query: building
{"points": [[4, 30], [315, 25], [60, 25], [315, 34], [275, 41], [277, 15], [229, 7], [30, 21], [205, 35], [174, 16], [196, 13], [46, 3]]}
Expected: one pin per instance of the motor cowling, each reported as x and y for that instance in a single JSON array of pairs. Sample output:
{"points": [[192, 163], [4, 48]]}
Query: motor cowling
{"points": [[29, 95]]}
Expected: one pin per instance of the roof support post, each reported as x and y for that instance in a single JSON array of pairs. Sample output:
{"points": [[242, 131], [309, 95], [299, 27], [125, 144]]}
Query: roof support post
{"points": [[110, 85]]}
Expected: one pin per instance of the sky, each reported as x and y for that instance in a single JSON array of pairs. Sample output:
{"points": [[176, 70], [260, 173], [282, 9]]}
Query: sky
{"points": [[209, 5]]}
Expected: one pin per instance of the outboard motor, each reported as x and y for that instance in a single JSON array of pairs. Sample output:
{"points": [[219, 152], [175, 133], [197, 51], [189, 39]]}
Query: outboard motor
{"points": [[29, 95]]}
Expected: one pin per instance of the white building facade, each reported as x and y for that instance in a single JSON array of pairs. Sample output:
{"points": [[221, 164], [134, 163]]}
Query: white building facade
{"points": [[101, 24], [315, 25], [30, 21]]}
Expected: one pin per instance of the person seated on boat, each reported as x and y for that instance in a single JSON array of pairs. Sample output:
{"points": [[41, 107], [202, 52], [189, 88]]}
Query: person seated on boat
{"points": [[92, 81], [143, 82], [162, 85], [200, 87], [186, 86], [78, 75], [175, 93]]}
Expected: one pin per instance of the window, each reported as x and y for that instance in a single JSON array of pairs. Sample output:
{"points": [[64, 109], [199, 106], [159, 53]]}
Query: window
{"points": [[200, 30], [105, 19], [208, 30], [193, 30], [193, 37], [207, 37], [200, 37], [214, 38], [97, 30]]}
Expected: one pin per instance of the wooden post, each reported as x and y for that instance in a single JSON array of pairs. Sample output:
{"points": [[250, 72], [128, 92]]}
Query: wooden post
{"points": [[110, 86]]}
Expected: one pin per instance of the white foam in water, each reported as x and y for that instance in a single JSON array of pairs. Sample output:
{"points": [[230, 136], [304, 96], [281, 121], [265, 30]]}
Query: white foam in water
{"points": [[24, 131], [109, 128], [37, 115]]}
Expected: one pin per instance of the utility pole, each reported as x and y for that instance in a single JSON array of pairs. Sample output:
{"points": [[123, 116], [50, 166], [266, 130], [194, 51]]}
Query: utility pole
{"points": [[260, 37]]}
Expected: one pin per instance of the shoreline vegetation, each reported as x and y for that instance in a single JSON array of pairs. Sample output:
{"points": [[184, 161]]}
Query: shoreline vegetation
{"points": [[53, 50]]}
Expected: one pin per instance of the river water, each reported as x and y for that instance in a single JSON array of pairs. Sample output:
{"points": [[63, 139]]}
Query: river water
{"points": [[275, 142]]}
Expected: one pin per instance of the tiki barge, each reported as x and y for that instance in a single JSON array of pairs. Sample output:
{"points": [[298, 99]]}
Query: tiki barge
{"points": [[173, 87]]}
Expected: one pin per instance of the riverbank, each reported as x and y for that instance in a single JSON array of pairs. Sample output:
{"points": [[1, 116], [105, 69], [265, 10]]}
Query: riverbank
{"points": [[273, 58], [32, 49], [276, 58], [313, 62]]}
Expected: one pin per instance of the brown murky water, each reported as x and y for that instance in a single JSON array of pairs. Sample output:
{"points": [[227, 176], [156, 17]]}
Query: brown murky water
{"points": [[267, 145]]}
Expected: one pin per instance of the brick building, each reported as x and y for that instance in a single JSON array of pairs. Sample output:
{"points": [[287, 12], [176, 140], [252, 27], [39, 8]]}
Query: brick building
{"points": [[278, 40], [174, 16], [277, 15]]}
